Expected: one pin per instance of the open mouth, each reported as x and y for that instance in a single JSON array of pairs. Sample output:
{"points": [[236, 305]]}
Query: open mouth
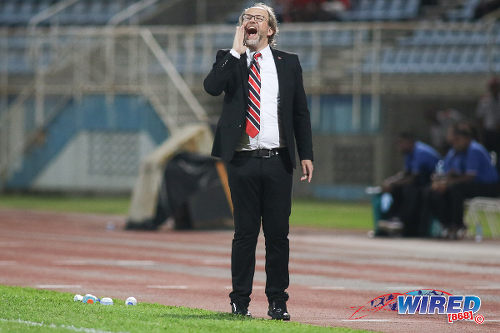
{"points": [[251, 31]]}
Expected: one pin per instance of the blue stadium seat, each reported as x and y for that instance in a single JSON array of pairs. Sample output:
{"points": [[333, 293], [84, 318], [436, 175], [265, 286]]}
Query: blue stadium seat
{"points": [[18, 42], [224, 40], [26, 11], [337, 37], [480, 60], [378, 10], [18, 62], [452, 64], [8, 12], [295, 38], [387, 60], [42, 5], [75, 14], [309, 59], [438, 33], [97, 14], [115, 7], [368, 65], [402, 60], [411, 9], [414, 60], [465, 13]]}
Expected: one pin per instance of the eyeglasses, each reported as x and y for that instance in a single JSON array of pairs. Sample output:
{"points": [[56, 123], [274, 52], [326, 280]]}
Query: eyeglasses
{"points": [[257, 18]]}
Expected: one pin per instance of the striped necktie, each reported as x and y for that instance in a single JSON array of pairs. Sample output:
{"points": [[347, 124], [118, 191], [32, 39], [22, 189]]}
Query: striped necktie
{"points": [[252, 126]]}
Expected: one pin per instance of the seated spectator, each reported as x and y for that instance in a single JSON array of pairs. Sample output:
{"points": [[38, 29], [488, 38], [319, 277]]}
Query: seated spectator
{"points": [[405, 186], [467, 172]]}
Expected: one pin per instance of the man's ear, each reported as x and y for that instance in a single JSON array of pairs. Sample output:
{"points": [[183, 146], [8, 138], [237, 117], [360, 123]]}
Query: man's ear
{"points": [[269, 32]]}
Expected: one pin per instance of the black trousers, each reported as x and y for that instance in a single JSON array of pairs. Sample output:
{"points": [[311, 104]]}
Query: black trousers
{"points": [[406, 206], [448, 206], [261, 190]]}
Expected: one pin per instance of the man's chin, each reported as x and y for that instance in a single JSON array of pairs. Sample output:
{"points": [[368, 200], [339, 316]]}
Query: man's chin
{"points": [[251, 42]]}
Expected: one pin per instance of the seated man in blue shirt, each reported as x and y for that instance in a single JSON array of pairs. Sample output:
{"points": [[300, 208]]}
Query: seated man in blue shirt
{"points": [[405, 186], [468, 172]]}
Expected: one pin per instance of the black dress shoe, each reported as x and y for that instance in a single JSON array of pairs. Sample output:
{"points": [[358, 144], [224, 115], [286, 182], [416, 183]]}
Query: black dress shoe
{"points": [[278, 311], [238, 309]]}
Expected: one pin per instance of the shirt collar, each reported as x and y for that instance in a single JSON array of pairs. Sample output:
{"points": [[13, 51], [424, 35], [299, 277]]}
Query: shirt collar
{"points": [[265, 52]]}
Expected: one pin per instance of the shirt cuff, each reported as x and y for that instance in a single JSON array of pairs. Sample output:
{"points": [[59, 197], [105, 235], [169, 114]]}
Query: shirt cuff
{"points": [[235, 54]]}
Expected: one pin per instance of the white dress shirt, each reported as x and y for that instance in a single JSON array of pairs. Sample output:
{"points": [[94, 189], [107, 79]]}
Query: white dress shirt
{"points": [[269, 134]]}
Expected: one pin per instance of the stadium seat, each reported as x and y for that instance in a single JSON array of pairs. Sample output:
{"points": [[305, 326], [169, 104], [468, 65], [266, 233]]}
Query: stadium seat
{"points": [[411, 9], [395, 8], [76, 14], [387, 60], [97, 14], [26, 11], [381, 10], [8, 12], [224, 40], [295, 38], [309, 59], [336, 37], [42, 5], [479, 61], [465, 13]]}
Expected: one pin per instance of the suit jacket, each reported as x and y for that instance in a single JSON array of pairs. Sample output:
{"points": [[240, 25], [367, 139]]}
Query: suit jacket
{"points": [[230, 75]]}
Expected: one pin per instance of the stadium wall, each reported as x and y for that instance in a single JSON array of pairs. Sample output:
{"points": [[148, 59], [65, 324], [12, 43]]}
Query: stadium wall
{"points": [[92, 145]]}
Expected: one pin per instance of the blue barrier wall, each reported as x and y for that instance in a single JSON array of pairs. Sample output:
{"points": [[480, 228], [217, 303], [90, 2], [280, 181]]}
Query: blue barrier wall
{"points": [[124, 114]]}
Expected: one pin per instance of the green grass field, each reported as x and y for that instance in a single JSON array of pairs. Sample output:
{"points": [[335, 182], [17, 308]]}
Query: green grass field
{"points": [[306, 213], [32, 310]]}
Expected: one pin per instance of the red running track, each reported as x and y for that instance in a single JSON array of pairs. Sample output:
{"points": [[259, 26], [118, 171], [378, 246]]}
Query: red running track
{"points": [[332, 273]]}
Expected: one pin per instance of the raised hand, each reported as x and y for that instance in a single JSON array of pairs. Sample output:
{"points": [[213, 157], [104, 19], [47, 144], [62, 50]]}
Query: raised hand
{"points": [[238, 42]]}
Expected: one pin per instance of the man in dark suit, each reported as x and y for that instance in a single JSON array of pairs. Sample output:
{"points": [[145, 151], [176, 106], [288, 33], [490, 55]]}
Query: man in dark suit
{"points": [[264, 113]]}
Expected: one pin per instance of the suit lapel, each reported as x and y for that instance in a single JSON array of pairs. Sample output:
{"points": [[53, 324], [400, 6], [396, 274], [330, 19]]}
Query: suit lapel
{"points": [[280, 70], [244, 74]]}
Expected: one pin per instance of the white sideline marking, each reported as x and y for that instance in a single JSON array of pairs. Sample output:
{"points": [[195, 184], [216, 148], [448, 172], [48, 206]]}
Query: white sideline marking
{"points": [[168, 287], [105, 262], [375, 320], [327, 288], [58, 286], [67, 327]]}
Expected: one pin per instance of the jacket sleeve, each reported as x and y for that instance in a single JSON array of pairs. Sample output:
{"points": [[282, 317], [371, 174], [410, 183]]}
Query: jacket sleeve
{"points": [[301, 117], [217, 80]]}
